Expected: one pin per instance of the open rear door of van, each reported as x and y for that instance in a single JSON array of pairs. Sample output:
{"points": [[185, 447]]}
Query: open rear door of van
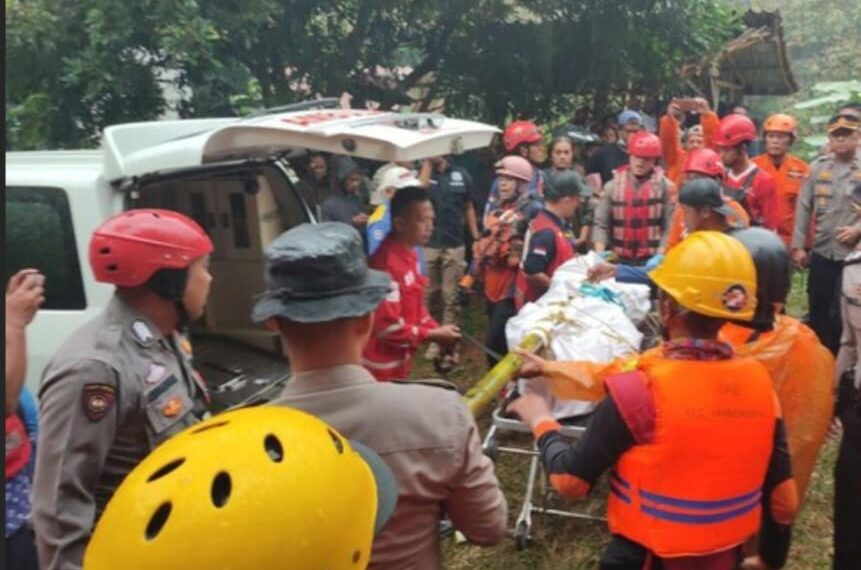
{"points": [[136, 149]]}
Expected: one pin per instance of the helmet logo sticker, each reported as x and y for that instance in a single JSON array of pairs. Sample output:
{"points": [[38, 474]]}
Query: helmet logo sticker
{"points": [[734, 297]]}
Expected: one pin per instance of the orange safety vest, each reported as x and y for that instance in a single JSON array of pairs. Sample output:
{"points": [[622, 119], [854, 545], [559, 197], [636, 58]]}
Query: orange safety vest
{"points": [[695, 486]]}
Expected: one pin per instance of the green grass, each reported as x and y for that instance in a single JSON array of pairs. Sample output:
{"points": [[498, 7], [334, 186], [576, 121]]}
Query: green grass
{"points": [[576, 544]]}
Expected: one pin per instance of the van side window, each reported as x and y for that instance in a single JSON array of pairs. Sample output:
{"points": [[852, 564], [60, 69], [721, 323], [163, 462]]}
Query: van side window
{"points": [[39, 234]]}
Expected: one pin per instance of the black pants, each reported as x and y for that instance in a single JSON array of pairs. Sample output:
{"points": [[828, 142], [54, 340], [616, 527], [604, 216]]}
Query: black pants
{"points": [[823, 296], [21, 550], [497, 315], [847, 493]]}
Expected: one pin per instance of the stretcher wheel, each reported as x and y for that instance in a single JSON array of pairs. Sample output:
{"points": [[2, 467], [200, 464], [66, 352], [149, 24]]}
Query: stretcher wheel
{"points": [[491, 448], [521, 535]]}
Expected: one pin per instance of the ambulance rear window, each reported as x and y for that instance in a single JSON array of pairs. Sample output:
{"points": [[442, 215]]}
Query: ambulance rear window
{"points": [[39, 234]]}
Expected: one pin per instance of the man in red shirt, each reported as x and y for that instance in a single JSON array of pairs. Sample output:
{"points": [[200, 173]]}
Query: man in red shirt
{"points": [[745, 182], [402, 321]]}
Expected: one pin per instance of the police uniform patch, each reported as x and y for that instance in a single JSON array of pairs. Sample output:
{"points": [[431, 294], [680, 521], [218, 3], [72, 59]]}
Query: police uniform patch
{"points": [[734, 297], [172, 407], [142, 332], [155, 373], [97, 400]]}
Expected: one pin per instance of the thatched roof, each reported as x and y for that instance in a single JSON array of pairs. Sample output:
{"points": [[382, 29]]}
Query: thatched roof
{"points": [[754, 63]]}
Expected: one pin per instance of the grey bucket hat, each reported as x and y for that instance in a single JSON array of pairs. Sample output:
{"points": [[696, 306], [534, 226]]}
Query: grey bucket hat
{"points": [[317, 273]]}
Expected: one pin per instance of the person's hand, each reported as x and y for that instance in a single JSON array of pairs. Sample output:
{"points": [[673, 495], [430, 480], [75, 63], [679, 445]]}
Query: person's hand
{"points": [[360, 220], [835, 428], [799, 257], [675, 112], [702, 105], [532, 365], [601, 272], [847, 235], [446, 334], [754, 563], [24, 295], [531, 408]]}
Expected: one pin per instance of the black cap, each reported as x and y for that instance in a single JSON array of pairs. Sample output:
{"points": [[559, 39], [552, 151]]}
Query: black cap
{"points": [[562, 183], [705, 193], [317, 273], [773, 273]]}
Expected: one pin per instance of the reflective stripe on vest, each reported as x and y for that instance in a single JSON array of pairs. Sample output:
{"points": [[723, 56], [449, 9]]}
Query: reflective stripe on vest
{"points": [[696, 487], [636, 215], [524, 291]]}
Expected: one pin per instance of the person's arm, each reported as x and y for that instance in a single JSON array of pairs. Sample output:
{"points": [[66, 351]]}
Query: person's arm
{"points": [[542, 248], [671, 146], [79, 412], [476, 505], [669, 208], [573, 469], [847, 356], [600, 233], [390, 326], [24, 295], [769, 202], [425, 172], [779, 503], [803, 207], [710, 124], [471, 220]]}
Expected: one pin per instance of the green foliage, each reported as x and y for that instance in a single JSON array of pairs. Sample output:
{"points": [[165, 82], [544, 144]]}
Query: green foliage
{"points": [[75, 67]]}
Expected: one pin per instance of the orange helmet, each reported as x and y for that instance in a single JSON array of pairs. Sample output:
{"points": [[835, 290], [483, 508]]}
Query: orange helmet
{"points": [[518, 133], [780, 123]]}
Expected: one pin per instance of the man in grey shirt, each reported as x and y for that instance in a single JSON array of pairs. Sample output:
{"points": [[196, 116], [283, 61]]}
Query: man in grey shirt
{"points": [[321, 298], [826, 198]]}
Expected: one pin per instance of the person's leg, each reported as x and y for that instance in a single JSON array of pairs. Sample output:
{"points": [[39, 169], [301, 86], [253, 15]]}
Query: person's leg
{"points": [[21, 550], [847, 503], [498, 317], [433, 261], [821, 290], [453, 266]]}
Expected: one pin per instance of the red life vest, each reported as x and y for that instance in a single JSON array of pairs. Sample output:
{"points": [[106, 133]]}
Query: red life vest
{"points": [[524, 291], [18, 448], [637, 215], [693, 485]]}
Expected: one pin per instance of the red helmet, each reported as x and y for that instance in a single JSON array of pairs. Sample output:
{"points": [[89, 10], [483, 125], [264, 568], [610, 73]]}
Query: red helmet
{"points": [[127, 249], [704, 161], [515, 167], [734, 130], [644, 144], [518, 133]]}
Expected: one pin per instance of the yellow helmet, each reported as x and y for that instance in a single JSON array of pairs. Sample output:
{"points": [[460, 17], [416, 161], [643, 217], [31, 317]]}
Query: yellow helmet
{"points": [[265, 487], [711, 274]]}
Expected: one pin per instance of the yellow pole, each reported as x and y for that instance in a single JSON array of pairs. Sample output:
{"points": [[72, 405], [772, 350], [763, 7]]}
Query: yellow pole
{"points": [[486, 389]]}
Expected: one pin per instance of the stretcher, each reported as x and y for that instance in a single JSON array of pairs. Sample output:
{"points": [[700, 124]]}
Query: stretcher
{"points": [[573, 320]]}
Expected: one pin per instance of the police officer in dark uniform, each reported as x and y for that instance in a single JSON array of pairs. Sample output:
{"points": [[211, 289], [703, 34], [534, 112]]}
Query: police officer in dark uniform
{"points": [[124, 382]]}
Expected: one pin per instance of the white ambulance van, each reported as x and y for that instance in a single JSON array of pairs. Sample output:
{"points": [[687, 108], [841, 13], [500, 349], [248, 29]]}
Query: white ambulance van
{"points": [[234, 177]]}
